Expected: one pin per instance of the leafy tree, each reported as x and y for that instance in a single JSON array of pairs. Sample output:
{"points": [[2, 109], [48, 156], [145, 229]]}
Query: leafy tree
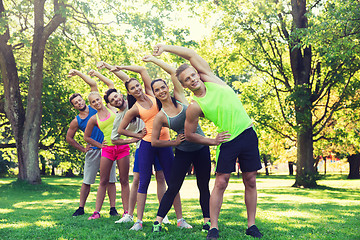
{"points": [[306, 53], [25, 122], [37, 47]]}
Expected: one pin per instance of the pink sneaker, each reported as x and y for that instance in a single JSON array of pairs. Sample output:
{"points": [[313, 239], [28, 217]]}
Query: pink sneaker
{"points": [[95, 215]]}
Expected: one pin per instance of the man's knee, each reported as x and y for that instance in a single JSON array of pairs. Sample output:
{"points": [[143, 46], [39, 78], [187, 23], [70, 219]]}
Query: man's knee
{"points": [[249, 180], [222, 181]]}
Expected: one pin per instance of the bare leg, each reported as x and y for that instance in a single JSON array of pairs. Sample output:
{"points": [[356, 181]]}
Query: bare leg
{"points": [[111, 190], [161, 185], [249, 179], [206, 220], [84, 193], [123, 165], [177, 206], [216, 198], [161, 189], [133, 193], [105, 167], [141, 200]]}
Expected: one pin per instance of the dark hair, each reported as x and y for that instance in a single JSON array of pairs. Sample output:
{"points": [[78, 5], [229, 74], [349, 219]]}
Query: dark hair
{"points": [[180, 69], [128, 81], [130, 98], [74, 95], [107, 94], [159, 104]]}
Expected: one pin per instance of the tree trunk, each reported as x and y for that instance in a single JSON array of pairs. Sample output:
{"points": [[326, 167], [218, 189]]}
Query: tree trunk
{"points": [[305, 171], [13, 104], [291, 168], [354, 164], [300, 60], [266, 165], [26, 126]]}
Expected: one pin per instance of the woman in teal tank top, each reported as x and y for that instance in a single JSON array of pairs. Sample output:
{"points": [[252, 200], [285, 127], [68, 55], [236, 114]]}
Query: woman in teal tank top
{"points": [[172, 115]]}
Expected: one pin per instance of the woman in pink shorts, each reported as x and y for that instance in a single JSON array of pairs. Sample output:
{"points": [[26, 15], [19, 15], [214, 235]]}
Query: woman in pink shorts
{"points": [[104, 119]]}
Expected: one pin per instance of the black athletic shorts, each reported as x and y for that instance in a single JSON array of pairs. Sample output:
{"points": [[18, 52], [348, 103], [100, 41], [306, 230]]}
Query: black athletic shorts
{"points": [[245, 148]]}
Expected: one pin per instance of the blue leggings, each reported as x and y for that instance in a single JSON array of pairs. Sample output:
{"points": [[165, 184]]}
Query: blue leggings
{"points": [[202, 166], [146, 159]]}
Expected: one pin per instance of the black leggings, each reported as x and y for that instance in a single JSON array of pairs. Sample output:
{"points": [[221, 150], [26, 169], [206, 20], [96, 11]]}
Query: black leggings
{"points": [[181, 164]]}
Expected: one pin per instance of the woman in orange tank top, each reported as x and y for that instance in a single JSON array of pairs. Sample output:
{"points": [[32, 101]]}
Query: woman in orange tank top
{"points": [[143, 105]]}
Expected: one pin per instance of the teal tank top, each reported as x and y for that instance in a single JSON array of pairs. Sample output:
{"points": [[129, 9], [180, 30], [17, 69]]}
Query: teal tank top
{"points": [[177, 123]]}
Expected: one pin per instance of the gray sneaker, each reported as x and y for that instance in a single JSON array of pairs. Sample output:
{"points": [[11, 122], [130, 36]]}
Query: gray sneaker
{"points": [[126, 218], [137, 226], [183, 224], [166, 220]]}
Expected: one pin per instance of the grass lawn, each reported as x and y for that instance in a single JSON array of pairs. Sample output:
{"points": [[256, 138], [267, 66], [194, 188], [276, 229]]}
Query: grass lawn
{"points": [[331, 211]]}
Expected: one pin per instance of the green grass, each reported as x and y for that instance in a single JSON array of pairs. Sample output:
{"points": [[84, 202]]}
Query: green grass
{"points": [[331, 211]]}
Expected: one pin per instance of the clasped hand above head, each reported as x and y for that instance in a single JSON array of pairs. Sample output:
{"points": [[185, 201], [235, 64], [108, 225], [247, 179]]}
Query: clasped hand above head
{"points": [[158, 49]]}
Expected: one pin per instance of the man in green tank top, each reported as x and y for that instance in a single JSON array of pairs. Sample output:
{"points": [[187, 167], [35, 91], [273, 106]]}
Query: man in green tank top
{"points": [[216, 101]]}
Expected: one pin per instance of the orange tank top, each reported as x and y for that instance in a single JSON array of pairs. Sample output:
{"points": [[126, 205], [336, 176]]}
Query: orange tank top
{"points": [[148, 116]]}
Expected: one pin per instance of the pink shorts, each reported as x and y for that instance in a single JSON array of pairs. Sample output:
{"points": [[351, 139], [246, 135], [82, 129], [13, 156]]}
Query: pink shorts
{"points": [[115, 152]]}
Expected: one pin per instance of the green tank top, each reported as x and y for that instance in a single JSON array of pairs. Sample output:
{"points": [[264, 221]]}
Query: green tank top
{"points": [[223, 107], [106, 126]]}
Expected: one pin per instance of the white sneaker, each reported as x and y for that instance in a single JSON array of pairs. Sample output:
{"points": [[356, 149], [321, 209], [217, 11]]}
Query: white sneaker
{"points": [[137, 226], [166, 220], [183, 224], [126, 218]]}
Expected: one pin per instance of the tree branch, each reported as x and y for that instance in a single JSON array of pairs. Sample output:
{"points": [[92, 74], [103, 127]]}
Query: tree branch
{"points": [[335, 105]]}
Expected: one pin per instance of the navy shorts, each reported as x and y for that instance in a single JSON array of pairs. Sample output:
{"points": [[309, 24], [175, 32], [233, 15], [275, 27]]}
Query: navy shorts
{"points": [[245, 148]]}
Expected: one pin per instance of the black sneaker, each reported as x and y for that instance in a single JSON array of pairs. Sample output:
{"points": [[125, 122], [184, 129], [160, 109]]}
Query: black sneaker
{"points": [[113, 212], [156, 227], [213, 234], [254, 232], [78, 212], [206, 227]]}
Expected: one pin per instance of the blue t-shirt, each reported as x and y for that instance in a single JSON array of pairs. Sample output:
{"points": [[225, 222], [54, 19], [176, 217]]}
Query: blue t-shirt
{"points": [[96, 134]]}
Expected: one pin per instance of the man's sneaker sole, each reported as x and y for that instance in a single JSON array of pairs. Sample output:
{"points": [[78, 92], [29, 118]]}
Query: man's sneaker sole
{"points": [[254, 232], [212, 234]]}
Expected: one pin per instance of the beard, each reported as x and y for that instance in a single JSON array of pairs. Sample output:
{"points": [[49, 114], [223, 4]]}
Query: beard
{"points": [[121, 105], [83, 109]]}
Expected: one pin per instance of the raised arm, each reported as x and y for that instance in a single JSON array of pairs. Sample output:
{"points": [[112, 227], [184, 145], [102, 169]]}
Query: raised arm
{"points": [[142, 71], [193, 113], [91, 82], [178, 89], [201, 66], [73, 127], [101, 77], [159, 122], [129, 115], [120, 74]]}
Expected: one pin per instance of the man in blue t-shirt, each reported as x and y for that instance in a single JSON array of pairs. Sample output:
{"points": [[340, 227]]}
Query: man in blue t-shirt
{"points": [[93, 154]]}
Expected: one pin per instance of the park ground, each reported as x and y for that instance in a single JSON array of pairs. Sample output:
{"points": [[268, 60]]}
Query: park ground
{"points": [[331, 211]]}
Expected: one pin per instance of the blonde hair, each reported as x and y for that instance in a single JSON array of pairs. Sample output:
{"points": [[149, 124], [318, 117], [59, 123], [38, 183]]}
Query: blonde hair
{"points": [[93, 93]]}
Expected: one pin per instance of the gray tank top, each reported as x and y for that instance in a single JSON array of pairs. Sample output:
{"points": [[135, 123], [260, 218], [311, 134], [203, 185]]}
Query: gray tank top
{"points": [[177, 123]]}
